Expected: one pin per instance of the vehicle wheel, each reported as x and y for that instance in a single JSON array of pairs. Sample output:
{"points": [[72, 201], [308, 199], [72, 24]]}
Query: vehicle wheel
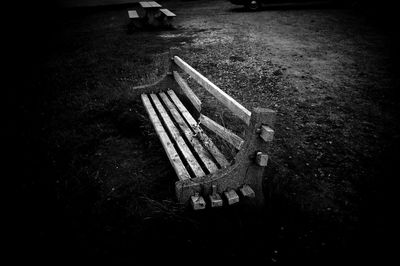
{"points": [[253, 5]]}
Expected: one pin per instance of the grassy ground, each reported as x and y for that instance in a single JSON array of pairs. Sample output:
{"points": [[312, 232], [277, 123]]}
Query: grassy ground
{"points": [[90, 189]]}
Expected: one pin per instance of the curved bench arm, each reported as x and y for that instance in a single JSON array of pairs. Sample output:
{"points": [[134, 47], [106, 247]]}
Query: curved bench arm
{"points": [[246, 169]]}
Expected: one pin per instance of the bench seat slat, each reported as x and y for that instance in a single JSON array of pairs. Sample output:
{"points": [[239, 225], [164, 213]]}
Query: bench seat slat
{"points": [[219, 157], [173, 156], [204, 155], [133, 14], [191, 160]]}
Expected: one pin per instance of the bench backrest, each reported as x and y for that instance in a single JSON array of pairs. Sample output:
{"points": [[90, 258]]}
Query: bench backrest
{"points": [[236, 108]]}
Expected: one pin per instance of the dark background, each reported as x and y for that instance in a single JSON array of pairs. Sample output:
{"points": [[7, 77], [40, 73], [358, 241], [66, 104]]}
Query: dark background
{"points": [[30, 26]]}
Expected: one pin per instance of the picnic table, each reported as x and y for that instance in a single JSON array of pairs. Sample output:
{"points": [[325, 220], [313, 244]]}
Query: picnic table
{"points": [[150, 13]]}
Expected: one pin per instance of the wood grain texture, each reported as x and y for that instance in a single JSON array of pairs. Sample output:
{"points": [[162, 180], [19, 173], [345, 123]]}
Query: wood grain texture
{"points": [[203, 154], [221, 131], [182, 146], [167, 144], [208, 143], [235, 107], [267, 133], [244, 170]]}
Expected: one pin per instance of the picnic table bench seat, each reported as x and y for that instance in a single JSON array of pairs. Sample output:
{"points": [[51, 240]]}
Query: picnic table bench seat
{"points": [[167, 13], [133, 14], [205, 176]]}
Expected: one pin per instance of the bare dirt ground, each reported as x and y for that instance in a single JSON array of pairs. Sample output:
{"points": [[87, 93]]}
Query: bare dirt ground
{"points": [[98, 187]]}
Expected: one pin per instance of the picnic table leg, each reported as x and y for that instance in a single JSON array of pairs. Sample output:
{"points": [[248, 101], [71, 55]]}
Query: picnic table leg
{"points": [[153, 17]]}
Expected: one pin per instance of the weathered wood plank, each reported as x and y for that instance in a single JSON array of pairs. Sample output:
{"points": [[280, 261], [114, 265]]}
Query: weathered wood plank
{"points": [[191, 160], [188, 91], [172, 155], [167, 12], [221, 131], [219, 157], [204, 155], [149, 4], [133, 14], [154, 4], [236, 108], [144, 4]]}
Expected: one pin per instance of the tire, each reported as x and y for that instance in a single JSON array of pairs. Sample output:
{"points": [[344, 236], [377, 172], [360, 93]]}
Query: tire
{"points": [[253, 5]]}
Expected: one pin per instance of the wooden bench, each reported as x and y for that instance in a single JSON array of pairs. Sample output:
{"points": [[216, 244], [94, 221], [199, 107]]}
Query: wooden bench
{"points": [[205, 176], [151, 14]]}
